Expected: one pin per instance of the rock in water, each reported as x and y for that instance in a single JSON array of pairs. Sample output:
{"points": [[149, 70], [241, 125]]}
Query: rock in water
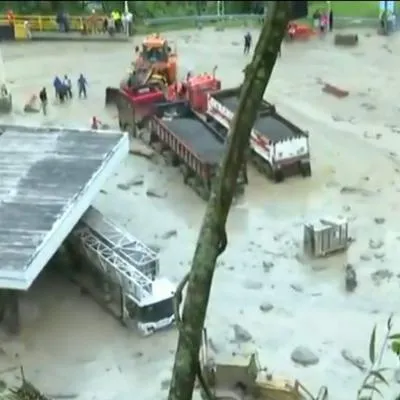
{"points": [[304, 356], [241, 334]]}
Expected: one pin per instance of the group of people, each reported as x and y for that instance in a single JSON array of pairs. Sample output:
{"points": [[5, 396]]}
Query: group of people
{"points": [[63, 90], [323, 20]]}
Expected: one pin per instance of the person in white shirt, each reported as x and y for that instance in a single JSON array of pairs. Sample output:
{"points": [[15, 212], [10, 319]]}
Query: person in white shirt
{"points": [[127, 21], [68, 86]]}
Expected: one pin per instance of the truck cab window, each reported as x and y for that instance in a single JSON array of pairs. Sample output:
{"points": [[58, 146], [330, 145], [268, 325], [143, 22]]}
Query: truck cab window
{"points": [[156, 312]]}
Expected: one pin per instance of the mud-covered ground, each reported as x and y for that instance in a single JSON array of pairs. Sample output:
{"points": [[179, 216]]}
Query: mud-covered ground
{"points": [[70, 346]]}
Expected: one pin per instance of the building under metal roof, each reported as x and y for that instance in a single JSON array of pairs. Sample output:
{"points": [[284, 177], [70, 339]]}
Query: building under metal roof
{"points": [[48, 178]]}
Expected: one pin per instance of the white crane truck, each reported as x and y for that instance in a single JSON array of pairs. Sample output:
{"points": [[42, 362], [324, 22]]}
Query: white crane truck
{"points": [[278, 147], [133, 289]]}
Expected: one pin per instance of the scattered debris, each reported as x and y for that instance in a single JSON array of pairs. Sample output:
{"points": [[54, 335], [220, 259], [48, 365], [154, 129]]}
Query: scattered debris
{"points": [[335, 91], [375, 244], [266, 307], [169, 234], [368, 106], [365, 257], [297, 288], [142, 151], [160, 194], [355, 190], [396, 375], [241, 335], [137, 181], [350, 278], [381, 274], [304, 356], [346, 39], [123, 186], [267, 266], [356, 361], [255, 285], [165, 384]]}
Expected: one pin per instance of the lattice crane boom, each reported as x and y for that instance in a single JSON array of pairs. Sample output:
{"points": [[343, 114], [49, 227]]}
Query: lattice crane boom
{"points": [[122, 258]]}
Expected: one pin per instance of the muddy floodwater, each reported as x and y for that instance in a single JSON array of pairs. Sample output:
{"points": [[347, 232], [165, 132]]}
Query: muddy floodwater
{"points": [[70, 346]]}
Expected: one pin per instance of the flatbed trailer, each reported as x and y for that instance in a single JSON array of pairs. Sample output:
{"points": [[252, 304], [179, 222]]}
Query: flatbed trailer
{"points": [[278, 147], [191, 144]]}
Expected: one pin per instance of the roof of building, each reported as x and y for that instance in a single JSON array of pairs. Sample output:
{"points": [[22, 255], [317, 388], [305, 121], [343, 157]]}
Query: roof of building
{"points": [[48, 178]]}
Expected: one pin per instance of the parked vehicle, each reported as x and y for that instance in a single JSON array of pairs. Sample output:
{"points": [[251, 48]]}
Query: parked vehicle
{"points": [[124, 274], [192, 144], [278, 147]]}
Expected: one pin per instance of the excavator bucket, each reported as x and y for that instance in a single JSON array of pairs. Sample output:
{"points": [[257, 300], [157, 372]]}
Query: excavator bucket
{"points": [[111, 95]]}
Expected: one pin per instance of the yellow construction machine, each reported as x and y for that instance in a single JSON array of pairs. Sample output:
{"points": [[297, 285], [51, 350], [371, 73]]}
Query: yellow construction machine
{"points": [[240, 377]]}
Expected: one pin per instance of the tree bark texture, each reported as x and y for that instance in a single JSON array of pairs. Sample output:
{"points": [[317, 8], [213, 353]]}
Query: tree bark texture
{"points": [[212, 236]]}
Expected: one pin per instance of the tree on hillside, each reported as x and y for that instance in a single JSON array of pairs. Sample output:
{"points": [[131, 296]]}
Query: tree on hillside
{"points": [[212, 239]]}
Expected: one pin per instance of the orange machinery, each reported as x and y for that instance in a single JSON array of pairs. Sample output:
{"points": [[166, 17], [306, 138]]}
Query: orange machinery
{"points": [[296, 31], [157, 55]]}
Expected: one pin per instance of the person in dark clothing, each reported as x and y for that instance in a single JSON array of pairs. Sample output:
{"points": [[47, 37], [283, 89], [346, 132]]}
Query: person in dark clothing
{"points": [[82, 83], [247, 43], [57, 84], [330, 20], [43, 100]]}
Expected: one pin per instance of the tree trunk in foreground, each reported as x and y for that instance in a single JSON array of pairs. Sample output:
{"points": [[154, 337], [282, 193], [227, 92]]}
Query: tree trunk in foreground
{"points": [[212, 237]]}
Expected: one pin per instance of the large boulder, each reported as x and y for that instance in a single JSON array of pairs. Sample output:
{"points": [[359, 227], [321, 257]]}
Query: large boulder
{"points": [[32, 106], [348, 39]]}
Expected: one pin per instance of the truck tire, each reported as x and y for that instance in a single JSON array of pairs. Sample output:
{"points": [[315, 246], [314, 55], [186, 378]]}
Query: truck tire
{"points": [[305, 169]]}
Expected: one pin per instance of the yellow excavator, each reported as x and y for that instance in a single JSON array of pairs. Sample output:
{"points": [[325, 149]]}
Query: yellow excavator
{"points": [[240, 377]]}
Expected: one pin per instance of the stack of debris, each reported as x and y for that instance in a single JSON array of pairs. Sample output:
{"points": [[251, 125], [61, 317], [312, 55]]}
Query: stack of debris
{"points": [[25, 392]]}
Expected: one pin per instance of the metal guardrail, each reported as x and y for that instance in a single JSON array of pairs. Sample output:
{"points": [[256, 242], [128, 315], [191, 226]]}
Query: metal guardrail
{"points": [[196, 19]]}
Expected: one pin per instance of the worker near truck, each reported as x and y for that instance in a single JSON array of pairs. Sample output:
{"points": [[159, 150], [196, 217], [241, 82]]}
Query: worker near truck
{"points": [[247, 42], [82, 84], [43, 100]]}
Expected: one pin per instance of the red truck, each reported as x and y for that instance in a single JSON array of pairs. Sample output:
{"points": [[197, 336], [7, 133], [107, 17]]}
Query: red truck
{"points": [[277, 146], [192, 145], [137, 102]]}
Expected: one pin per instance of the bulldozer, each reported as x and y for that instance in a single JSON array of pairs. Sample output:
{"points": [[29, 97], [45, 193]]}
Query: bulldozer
{"points": [[156, 54], [240, 377], [134, 81]]}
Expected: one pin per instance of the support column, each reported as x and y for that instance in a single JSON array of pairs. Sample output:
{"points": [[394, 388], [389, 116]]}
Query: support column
{"points": [[9, 311]]}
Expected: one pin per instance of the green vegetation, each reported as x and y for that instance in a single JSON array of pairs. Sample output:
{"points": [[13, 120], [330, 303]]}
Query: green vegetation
{"points": [[362, 9], [142, 9]]}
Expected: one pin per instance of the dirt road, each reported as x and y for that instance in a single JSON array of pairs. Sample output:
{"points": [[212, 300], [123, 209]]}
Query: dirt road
{"points": [[70, 346]]}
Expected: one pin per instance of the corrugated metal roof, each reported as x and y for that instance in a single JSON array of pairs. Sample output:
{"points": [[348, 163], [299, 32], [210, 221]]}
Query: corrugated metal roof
{"points": [[44, 174]]}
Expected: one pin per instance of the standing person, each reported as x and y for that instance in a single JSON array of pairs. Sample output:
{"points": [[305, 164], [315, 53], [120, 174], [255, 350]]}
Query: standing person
{"points": [[57, 84], [68, 86], [82, 83], [323, 22], [27, 28], [330, 19], [43, 100], [247, 43]]}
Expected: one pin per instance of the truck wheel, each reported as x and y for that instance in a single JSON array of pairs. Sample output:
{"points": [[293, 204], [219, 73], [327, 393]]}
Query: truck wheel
{"points": [[278, 176], [305, 169]]}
